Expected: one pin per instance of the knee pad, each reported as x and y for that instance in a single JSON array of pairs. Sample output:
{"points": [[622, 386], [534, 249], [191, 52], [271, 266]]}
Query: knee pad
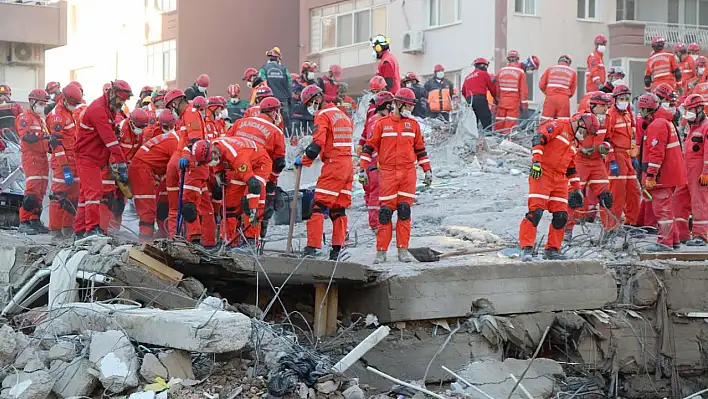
{"points": [[163, 210], [534, 216], [605, 199], [118, 207], [385, 214], [404, 211], [559, 219], [68, 206], [230, 212], [30, 202], [279, 164], [189, 212], [254, 185], [336, 213]]}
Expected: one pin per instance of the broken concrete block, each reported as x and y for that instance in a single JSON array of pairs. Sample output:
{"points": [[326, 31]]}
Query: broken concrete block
{"points": [[177, 363], [189, 329], [493, 377], [8, 345], [685, 286], [142, 395], [353, 392], [73, 378], [24, 385], [641, 289], [63, 350], [152, 368], [29, 354], [114, 361]]}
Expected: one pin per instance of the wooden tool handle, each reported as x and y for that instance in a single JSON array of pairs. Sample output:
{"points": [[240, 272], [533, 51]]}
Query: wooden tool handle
{"points": [[470, 252], [293, 209]]}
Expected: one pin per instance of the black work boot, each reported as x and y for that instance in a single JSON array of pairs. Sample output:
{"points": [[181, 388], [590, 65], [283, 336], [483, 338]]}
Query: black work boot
{"points": [[553, 254], [96, 231], [26, 228], [526, 254], [309, 252], [39, 227], [334, 252]]}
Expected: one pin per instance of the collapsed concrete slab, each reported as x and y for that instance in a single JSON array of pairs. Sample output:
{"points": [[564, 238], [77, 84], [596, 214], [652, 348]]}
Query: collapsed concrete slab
{"points": [[23, 385], [686, 286], [504, 288], [113, 360], [188, 329], [73, 378], [494, 377], [151, 368]]}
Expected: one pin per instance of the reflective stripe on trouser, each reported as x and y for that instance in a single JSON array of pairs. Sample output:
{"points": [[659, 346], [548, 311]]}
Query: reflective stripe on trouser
{"points": [[681, 207], [395, 187], [333, 190], [172, 178], [371, 197], [626, 194], [109, 191], [593, 178], [36, 180], [646, 214], [507, 118], [142, 184], [549, 193], [699, 198], [235, 192], [556, 106], [90, 195], [59, 217], [195, 191], [661, 204]]}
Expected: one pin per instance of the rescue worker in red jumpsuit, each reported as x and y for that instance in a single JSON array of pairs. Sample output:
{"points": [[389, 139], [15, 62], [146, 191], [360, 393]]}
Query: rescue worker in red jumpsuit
{"points": [[306, 78], [62, 125], [97, 149], [383, 101], [699, 78], [688, 68], [388, 64], [552, 171], [696, 158], [622, 163], [154, 109], [513, 93], [662, 168], [558, 84], [595, 75], [329, 83], [400, 145], [661, 67], [215, 124], [615, 77], [474, 90], [32, 131], [331, 142]]}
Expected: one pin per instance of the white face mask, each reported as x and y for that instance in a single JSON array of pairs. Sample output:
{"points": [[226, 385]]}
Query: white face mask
{"points": [[600, 49], [601, 119], [694, 56], [201, 89], [310, 76], [311, 110], [406, 113], [203, 114], [374, 54], [409, 84], [617, 82], [138, 131], [439, 74], [622, 105], [249, 84], [690, 116], [39, 109], [665, 105], [224, 113], [701, 71], [167, 131], [213, 163], [71, 108]]}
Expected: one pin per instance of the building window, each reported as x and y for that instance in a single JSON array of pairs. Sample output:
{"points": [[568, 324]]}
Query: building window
{"points": [[165, 5], [162, 61], [580, 91], [443, 12], [587, 9], [695, 12], [625, 10], [526, 7], [531, 85], [673, 12], [345, 24]]}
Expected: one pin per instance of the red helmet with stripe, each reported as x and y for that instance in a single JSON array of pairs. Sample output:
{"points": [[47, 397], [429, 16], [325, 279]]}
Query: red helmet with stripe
{"points": [[202, 151], [694, 48], [199, 103], [234, 90], [664, 91], [588, 121], [310, 92], [269, 104], [382, 98], [648, 101], [377, 83], [694, 101], [39, 95], [600, 39], [405, 96], [249, 73]]}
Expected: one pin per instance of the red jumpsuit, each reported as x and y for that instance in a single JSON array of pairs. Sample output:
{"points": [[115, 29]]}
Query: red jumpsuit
{"points": [[267, 136], [688, 74], [148, 166], [662, 160], [30, 126], [400, 145], [558, 83], [62, 126], [595, 76], [214, 128], [388, 69], [253, 111], [153, 129], [626, 194], [513, 94], [646, 212], [371, 190], [660, 67], [130, 143], [334, 136], [696, 156], [550, 191]]}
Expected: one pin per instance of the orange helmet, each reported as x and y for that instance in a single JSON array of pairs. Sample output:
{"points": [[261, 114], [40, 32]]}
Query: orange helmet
{"points": [[5, 90], [202, 151], [377, 83], [234, 90], [269, 104]]}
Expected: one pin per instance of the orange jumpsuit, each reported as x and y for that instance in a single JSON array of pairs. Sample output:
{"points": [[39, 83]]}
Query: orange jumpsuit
{"points": [[513, 94], [213, 129], [129, 143], [626, 194], [696, 158], [31, 126], [595, 76], [333, 140], [267, 136], [153, 128], [661, 67], [550, 191], [558, 83], [688, 74], [62, 126], [255, 111], [400, 145]]}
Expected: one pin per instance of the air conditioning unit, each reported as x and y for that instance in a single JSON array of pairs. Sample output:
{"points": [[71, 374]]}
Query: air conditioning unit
{"points": [[414, 42], [26, 53]]}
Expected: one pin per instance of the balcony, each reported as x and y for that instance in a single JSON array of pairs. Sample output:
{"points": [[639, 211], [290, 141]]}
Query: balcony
{"points": [[358, 66], [633, 38], [36, 22], [676, 33]]}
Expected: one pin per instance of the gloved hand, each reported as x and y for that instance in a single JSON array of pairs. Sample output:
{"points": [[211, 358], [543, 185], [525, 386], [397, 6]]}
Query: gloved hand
{"points": [[635, 164], [358, 149], [298, 161], [614, 168], [575, 199], [703, 180], [363, 178], [121, 169], [650, 182], [603, 148], [252, 216], [587, 150], [536, 171], [634, 151], [428, 179], [68, 176], [183, 163]]}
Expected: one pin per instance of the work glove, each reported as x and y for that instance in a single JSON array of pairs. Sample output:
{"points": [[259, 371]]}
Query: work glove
{"points": [[428, 179], [358, 149], [587, 150], [703, 180], [536, 171], [68, 176], [121, 170], [298, 161], [363, 178], [252, 216], [575, 199], [603, 148], [635, 164], [650, 182], [614, 168], [183, 163], [634, 151]]}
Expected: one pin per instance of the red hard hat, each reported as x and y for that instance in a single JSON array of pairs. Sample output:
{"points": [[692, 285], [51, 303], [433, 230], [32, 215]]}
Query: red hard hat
{"points": [[166, 119], [269, 104], [336, 71], [565, 58], [648, 101], [694, 47], [438, 68], [664, 91], [121, 88], [658, 40], [159, 95], [140, 118], [406, 96], [382, 98], [216, 101], [535, 61], [248, 73], [512, 54], [5, 90], [377, 83], [202, 151], [203, 80], [411, 76], [693, 101], [679, 47], [146, 88], [701, 61], [173, 95], [308, 66], [53, 87], [72, 94], [39, 95], [310, 92], [479, 60], [264, 91], [590, 121], [234, 90], [600, 98], [621, 90], [199, 103], [600, 39]]}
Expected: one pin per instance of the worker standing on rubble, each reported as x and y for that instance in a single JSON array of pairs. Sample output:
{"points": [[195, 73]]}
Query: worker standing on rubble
{"points": [[154, 109], [277, 76], [475, 89], [9, 110], [696, 158], [558, 84], [439, 93], [306, 78], [388, 64], [595, 75], [331, 142], [329, 83], [552, 171], [687, 65], [214, 124], [97, 150], [236, 106], [62, 126], [661, 67], [32, 131], [400, 145], [198, 88], [699, 78], [513, 93]]}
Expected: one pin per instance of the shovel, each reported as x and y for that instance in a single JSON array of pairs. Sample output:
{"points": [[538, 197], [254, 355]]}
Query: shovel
{"points": [[426, 254]]}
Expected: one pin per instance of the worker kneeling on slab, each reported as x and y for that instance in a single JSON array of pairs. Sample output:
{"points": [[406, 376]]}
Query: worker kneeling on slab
{"points": [[398, 140], [552, 168]]}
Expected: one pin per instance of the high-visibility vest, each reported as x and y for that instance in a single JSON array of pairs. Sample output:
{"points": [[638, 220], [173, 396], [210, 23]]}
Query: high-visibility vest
{"points": [[440, 100]]}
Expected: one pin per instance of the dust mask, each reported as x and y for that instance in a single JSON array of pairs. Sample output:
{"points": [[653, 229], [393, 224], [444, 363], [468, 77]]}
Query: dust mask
{"points": [[622, 105], [374, 54], [201, 89], [310, 76], [439, 74], [701, 71], [665, 105], [600, 49], [249, 84], [409, 84], [71, 108], [39, 109], [311, 110], [138, 131], [694, 56], [168, 131], [617, 82], [224, 113], [405, 113], [213, 163], [691, 116]]}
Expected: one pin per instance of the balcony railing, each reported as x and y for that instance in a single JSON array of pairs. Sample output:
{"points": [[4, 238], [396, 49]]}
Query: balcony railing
{"points": [[32, 2], [674, 33]]}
